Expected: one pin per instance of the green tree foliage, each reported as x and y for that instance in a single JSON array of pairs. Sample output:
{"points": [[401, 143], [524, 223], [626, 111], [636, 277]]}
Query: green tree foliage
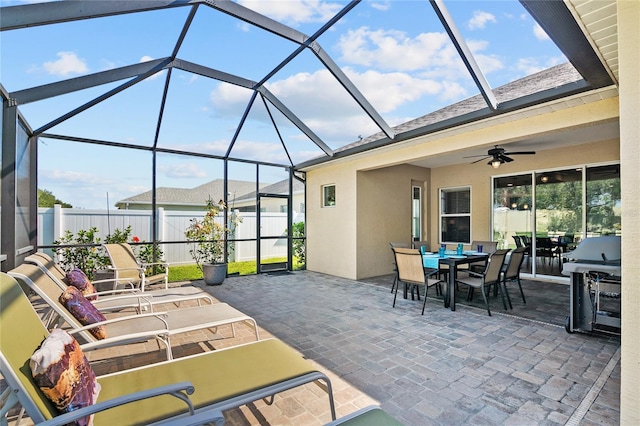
{"points": [[299, 244], [47, 199]]}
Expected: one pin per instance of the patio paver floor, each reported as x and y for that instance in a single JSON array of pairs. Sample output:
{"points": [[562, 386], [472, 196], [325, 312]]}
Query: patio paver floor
{"points": [[444, 368]]}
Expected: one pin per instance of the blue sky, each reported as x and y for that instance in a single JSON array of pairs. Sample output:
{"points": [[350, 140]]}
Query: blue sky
{"points": [[395, 52]]}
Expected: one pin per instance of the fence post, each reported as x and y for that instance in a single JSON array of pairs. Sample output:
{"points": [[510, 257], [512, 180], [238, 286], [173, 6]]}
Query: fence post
{"points": [[57, 221], [161, 229]]}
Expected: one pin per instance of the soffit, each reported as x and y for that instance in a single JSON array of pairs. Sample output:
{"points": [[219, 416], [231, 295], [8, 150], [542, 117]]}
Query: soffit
{"points": [[599, 21]]}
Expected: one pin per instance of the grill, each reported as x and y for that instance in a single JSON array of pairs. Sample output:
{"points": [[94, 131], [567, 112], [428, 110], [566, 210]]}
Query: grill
{"points": [[595, 296]]}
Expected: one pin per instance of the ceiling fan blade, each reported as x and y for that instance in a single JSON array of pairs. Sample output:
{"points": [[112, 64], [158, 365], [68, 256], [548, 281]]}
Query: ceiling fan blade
{"points": [[505, 159], [477, 161], [520, 153], [475, 156]]}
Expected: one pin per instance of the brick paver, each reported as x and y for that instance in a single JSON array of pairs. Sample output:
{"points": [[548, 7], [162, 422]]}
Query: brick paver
{"points": [[443, 368]]}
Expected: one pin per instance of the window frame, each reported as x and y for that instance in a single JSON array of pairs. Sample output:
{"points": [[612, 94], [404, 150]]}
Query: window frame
{"points": [[326, 203], [443, 215]]}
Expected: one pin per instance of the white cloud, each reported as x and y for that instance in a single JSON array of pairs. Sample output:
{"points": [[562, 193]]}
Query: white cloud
{"points": [[539, 32], [532, 65], [295, 12], [430, 54], [380, 5], [480, 20], [182, 171], [394, 50], [67, 63], [147, 58], [71, 178]]}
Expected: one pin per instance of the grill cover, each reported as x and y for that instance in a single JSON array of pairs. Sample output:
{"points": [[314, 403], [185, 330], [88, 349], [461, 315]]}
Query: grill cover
{"points": [[596, 249]]}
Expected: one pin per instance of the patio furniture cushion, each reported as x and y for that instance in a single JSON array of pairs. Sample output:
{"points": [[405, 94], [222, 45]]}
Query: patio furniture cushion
{"points": [[63, 374], [83, 310], [79, 280]]}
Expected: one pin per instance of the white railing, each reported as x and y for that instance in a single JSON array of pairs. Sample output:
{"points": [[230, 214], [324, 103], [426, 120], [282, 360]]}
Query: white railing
{"points": [[54, 222]]}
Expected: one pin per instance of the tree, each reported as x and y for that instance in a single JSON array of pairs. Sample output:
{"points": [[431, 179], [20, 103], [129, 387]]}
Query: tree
{"points": [[47, 199]]}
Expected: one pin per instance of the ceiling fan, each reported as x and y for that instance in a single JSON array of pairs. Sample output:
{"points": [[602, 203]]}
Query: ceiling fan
{"points": [[499, 156]]}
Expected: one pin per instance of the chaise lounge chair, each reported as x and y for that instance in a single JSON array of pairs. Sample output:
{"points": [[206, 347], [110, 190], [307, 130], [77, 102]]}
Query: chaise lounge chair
{"points": [[127, 269], [210, 382], [113, 300], [133, 328]]}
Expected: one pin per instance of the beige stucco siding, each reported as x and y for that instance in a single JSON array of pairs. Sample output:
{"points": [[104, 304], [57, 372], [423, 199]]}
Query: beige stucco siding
{"points": [[629, 56], [478, 177], [331, 231], [373, 190]]}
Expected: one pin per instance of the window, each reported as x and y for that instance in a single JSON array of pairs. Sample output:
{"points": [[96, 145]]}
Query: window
{"points": [[328, 196], [570, 204], [416, 213], [455, 215]]}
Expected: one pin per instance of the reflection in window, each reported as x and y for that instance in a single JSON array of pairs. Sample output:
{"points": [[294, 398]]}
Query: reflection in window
{"points": [[559, 203], [328, 196], [560, 213], [512, 205], [455, 215], [603, 201], [416, 213]]}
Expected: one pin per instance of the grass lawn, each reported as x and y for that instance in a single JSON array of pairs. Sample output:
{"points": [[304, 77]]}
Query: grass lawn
{"points": [[192, 272]]}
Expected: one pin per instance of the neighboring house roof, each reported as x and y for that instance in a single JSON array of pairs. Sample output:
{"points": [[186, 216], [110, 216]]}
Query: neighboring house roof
{"points": [[197, 196], [281, 187]]}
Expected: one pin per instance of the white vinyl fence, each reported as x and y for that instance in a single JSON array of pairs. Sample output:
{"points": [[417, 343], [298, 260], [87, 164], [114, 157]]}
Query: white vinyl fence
{"points": [[53, 223]]}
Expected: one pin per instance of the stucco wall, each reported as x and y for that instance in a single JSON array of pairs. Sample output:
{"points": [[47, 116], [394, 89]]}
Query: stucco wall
{"points": [[629, 60], [479, 175], [351, 239], [331, 231], [384, 214]]}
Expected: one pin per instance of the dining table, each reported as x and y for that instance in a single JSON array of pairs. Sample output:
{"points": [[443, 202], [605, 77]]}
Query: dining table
{"points": [[453, 260]]}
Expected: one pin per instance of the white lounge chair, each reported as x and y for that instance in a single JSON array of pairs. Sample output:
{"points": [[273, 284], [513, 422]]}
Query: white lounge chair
{"points": [[133, 328], [112, 300]]}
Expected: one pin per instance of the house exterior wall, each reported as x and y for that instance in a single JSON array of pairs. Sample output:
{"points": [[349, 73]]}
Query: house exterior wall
{"points": [[478, 177], [629, 64], [384, 214], [369, 185], [331, 241]]}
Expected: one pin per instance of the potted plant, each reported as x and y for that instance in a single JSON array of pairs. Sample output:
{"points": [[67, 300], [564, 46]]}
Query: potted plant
{"points": [[207, 242]]}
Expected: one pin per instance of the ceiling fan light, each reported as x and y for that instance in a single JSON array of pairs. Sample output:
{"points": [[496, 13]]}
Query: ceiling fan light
{"points": [[495, 163]]}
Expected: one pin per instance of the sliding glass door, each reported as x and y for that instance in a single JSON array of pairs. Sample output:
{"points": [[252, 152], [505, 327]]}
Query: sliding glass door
{"points": [[551, 211], [512, 212]]}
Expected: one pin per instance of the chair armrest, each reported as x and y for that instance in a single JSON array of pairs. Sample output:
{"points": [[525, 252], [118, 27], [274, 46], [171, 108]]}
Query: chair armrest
{"points": [[180, 390], [141, 301], [149, 265], [121, 281], [162, 316], [113, 268], [116, 292]]}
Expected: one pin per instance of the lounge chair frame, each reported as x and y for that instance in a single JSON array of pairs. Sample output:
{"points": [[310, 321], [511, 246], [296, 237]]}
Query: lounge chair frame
{"points": [[118, 299], [210, 382], [126, 329]]}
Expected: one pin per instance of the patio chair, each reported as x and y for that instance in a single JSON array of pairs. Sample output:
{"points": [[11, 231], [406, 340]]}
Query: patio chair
{"points": [[186, 391], [128, 269], [511, 272], [132, 328], [395, 269], [417, 244], [489, 278], [118, 299], [478, 267], [411, 271]]}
